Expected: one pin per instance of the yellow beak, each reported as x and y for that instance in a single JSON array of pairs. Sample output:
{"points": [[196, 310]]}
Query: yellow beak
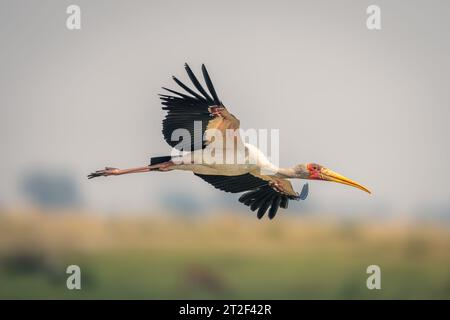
{"points": [[329, 175]]}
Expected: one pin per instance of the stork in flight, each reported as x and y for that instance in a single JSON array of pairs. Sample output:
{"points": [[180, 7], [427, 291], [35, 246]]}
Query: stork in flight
{"points": [[266, 186]]}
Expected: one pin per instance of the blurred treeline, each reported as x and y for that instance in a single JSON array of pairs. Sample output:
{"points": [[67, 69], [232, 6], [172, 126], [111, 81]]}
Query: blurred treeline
{"points": [[224, 255]]}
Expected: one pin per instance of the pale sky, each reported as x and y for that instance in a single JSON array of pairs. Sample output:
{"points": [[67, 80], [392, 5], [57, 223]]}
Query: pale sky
{"points": [[372, 105]]}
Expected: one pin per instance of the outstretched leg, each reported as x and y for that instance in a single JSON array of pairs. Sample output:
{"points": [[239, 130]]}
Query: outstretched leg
{"points": [[165, 166]]}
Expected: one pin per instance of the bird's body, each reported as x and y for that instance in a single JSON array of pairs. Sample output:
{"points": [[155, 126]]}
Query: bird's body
{"points": [[254, 162], [208, 139]]}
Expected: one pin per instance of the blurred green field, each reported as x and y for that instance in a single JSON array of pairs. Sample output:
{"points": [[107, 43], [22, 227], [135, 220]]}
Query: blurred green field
{"points": [[224, 256]]}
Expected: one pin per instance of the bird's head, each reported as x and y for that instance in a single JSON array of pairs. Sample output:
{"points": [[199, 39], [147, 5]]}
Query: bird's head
{"points": [[314, 171]]}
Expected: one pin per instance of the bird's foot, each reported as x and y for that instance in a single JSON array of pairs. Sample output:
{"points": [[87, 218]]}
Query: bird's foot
{"points": [[108, 171]]}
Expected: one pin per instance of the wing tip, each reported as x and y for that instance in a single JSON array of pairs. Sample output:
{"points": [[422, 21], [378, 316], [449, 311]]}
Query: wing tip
{"points": [[305, 191]]}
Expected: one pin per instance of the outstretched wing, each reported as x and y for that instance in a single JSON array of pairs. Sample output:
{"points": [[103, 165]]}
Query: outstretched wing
{"points": [[195, 112], [261, 194]]}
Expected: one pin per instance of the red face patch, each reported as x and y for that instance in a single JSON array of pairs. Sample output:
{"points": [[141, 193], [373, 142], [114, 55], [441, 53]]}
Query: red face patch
{"points": [[314, 170]]}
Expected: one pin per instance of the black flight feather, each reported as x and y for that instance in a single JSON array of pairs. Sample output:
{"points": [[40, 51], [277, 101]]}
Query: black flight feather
{"points": [[174, 92], [274, 207], [185, 87], [263, 208], [196, 83], [210, 85], [284, 202], [247, 195], [259, 199]]}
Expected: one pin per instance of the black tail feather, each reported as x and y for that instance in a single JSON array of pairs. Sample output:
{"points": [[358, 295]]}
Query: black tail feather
{"points": [[158, 160]]}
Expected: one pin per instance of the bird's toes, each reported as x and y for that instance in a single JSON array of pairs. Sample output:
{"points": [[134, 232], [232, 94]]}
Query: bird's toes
{"points": [[93, 175], [102, 173]]}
